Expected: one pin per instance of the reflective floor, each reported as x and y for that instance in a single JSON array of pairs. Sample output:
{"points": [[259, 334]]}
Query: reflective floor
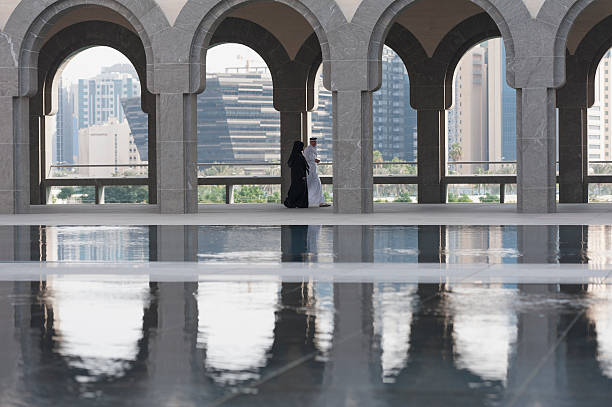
{"points": [[73, 341], [345, 330], [316, 244]]}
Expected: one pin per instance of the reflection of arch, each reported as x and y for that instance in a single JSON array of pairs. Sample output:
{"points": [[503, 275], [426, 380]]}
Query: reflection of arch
{"points": [[386, 21], [53, 56], [236, 342], [209, 24], [46, 370]]}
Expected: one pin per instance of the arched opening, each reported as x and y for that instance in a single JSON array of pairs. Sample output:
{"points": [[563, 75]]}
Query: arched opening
{"points": [[431, 48], [263, 100], [394, 131], [598, 132], [481, 125], [238, 127], [68, 111], [98, 132], [583, 104]]}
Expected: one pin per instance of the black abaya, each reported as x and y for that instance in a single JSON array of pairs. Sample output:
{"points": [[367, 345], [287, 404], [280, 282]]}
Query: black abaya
{"points": [[298, 192]]}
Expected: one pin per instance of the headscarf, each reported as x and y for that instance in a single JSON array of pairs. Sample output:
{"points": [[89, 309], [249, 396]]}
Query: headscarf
{"points": [[296, 155]]}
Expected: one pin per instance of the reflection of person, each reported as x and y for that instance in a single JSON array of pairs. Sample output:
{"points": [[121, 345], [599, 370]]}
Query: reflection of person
{"points": [[298, 191], [315, 191]]}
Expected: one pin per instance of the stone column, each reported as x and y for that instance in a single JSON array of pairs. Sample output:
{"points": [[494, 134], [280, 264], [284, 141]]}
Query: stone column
{"points": [[572, 160], [431, 156], [536, 150], [7, 164], [353, 144], [290, 132], [177, 153], [151, 111]]}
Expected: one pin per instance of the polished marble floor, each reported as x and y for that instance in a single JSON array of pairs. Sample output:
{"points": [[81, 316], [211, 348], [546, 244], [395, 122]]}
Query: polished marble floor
{"points": [[75, 341], [340, 315]]}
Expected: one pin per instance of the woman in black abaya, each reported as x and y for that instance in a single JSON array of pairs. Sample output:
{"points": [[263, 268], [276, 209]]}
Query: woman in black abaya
{"points": [[298, 192]]}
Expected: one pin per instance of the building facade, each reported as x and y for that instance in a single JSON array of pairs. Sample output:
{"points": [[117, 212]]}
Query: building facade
{"points": [[168, 40], [99, 98], [482, 121]]}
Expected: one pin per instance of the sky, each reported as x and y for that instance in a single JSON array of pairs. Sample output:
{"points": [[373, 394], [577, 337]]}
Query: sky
{"points": [[87, 64]]}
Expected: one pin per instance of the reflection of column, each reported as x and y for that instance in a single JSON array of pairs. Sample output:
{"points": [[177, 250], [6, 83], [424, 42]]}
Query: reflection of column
{"points": [[536, 150], [348, 375], [177, 243], [573, 243], [431, 243], [538, 244], [537, 333], [10, 356], [294, 242], [19, 243], [170, 361], [352, 150], [353, 244]]}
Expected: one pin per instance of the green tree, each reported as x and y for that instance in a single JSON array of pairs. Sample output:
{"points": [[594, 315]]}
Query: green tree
{"points": [[455, 152], [126, 194], [489, 198], [404, 197], [458, 198]]}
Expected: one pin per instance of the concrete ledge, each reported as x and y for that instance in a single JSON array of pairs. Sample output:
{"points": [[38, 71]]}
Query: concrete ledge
{"points": [[324, 272], [76, 209], [274, 214]]}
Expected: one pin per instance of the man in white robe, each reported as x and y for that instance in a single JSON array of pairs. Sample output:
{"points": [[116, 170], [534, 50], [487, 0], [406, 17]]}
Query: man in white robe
{"points": [[315, 190]]}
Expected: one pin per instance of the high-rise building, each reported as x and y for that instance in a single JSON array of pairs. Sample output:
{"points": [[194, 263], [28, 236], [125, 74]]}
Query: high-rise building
{"points": [[395, 120], [64, 141], [100, 98], [598, 116], [110, 143], [482, 121], [237, 121], [139, 125]]}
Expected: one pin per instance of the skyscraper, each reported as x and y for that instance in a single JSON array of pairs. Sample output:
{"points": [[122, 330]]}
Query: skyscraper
{"points": [[482, 121], [237, 121], [100, 98], [394, 118], [64, 146], [598, 117]]}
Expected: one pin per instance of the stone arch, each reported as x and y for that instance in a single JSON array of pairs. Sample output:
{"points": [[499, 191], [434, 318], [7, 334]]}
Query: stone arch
{"points": [[54, 55], [442, 64], [569, 18], [285, 72], [32, 22], [215, 15], [386, 19], [58, 50]]}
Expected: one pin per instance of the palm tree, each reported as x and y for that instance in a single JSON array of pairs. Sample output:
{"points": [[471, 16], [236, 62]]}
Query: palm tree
{"points": [[455, 153]]}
